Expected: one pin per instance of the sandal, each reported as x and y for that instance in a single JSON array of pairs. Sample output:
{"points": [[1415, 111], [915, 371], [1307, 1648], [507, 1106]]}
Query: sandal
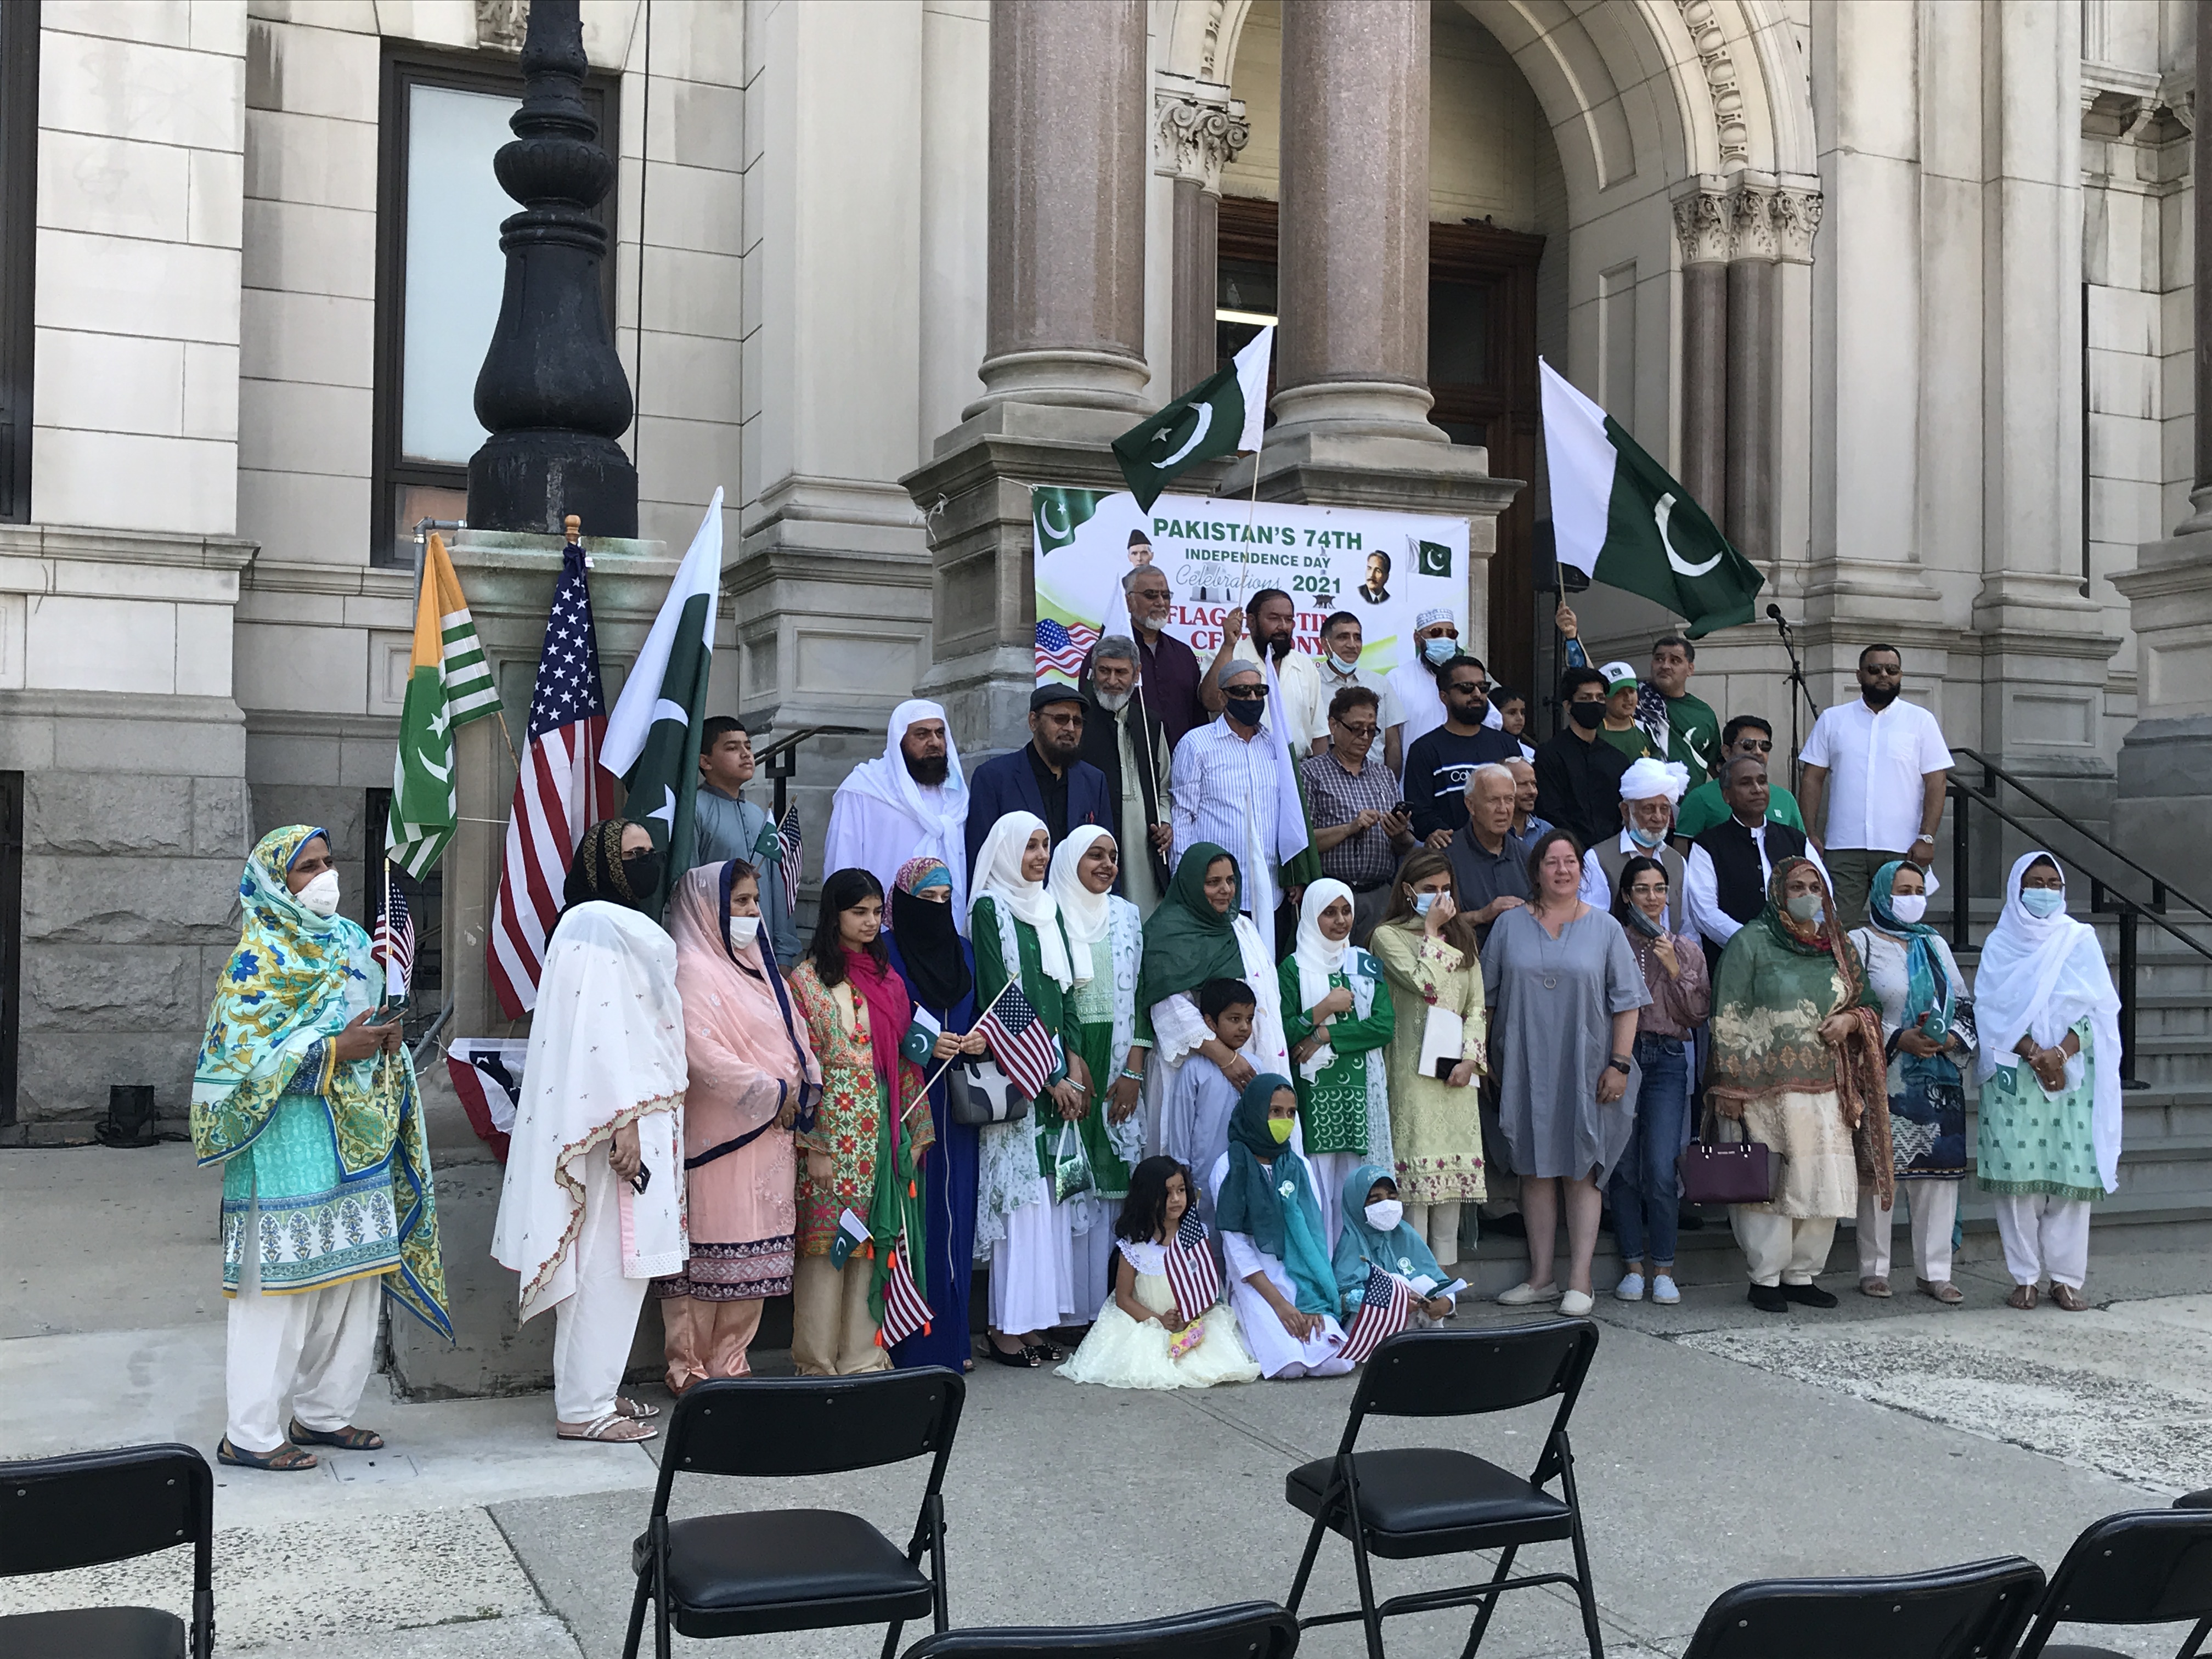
{"points": [[1875, 1287], [287, 1459], [1047, 1353], [2069, 1298], [1020, 1358], [345, 1439], [636, 1410], [610, 1426], [1942, 1290], [2022, 1298]]}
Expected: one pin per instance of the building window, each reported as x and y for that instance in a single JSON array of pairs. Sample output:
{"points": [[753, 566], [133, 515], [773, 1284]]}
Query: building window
{"points": [[19, 193], [439, 274]]}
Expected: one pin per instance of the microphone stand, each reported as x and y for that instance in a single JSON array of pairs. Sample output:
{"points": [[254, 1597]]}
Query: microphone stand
{"points": [[1801, 691]]}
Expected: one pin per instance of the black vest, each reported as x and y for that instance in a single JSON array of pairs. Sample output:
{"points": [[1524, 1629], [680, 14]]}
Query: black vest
{"points": [[1739, 884]]}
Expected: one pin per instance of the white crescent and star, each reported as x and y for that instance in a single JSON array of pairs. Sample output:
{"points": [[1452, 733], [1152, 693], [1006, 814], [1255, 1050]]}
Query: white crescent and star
{"points": [[1660, 515], [1198, 434]]}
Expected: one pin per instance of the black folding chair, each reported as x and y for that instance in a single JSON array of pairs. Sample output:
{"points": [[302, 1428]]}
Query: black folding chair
{"points": [[2139, 1567], [1402, 1504], [1250, 1630], [778, 1570], [90, 1508], [2195, 1500], [1972, 1612]]}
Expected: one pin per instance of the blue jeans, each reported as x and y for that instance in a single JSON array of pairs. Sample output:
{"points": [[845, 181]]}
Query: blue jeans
{"points": [[1646, 1182]]}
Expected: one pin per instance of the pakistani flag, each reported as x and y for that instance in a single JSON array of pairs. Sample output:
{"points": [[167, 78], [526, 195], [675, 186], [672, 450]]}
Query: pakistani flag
{"points": [[1620, 520], [448, 685], [653, 735], [1217, 416]]}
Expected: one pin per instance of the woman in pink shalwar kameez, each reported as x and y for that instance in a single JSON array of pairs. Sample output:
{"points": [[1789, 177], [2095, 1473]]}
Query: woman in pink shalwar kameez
{"points": [[753, 1076]]}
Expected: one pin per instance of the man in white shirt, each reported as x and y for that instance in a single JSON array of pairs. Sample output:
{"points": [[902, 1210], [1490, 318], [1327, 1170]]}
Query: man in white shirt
{"points": [[1342, 640], [1725, 878], [1274, 618], [1875, 775], [1232, 784]]}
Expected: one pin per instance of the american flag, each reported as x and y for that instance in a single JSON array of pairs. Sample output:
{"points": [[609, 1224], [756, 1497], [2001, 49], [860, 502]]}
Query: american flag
{"points": [[560, 791], [1191, 1272], [793, 856], [393, 944], [1061, 647], [1019, 1041], [1384, 1309], [904, 1310]]}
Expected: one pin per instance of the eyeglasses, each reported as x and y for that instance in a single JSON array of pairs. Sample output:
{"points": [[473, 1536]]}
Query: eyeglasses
{"points": [[1751, 747]]}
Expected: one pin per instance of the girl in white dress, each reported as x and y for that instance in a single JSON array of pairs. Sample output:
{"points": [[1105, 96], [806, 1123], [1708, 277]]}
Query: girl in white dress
{"points": [[1142, 1338], [1281, 1283]]}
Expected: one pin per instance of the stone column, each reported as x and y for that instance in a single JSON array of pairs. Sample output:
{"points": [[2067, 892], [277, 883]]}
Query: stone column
{"points": [[1702, 229], [2165, 763], [1751, 285], [1065, 320], [1354, 353], [1197, 129]]}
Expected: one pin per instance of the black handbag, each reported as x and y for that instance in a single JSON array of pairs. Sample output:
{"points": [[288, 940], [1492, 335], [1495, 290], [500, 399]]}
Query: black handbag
{"points": [[1716, 1171], [976, 1092]]}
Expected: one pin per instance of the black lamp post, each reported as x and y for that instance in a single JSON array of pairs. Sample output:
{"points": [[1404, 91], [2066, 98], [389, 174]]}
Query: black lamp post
{"points": [[551, 391]]}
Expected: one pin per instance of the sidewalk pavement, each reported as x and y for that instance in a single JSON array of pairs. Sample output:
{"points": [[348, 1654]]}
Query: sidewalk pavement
{"points": [[1713, 1444]]}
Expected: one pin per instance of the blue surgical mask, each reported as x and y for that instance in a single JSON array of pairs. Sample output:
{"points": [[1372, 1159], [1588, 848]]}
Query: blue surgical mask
{"points": [[1423, 903], [2043, 901], [1646, 837], [1441, 649]]}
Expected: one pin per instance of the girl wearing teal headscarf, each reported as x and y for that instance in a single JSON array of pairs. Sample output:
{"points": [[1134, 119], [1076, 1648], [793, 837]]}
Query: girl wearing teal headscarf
{"points": [[1282, 1284], [1928, 1036], [326, 1202], [1377, 1235]]}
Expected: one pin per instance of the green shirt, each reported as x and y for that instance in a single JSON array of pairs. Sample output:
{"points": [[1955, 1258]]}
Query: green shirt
{"points": [[1703, 808], [1693, 735], [1633, 743]]}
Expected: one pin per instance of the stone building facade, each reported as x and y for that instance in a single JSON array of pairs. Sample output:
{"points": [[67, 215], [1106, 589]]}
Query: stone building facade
{"points": [[1901, 288]]}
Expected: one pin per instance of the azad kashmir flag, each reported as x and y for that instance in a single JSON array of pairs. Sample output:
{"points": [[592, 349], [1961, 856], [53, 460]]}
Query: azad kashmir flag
{"points": [[448, 685], [1620, 520], [1221, 415], [653, 737]]}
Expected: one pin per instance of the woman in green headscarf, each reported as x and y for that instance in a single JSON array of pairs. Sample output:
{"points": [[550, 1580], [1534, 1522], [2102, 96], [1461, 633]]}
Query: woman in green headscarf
{"points": [[311, 1109], [1796, 1064], [1197, 934], [1281, 1282]]}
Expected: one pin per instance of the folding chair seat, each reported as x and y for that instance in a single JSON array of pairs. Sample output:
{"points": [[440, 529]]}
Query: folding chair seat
{"points": [[1970, 1611], [1403, 1504], [2139, 1567], [1249, 1629], [762, 1571], [90, 1508]]}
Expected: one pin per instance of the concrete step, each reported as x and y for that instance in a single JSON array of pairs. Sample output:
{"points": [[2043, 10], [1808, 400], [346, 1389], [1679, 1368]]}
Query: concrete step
{"points": [[2178, 1167]]}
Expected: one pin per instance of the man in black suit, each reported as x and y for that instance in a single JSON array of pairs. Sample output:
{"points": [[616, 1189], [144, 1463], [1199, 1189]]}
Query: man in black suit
{"points": [[1046, 777]]}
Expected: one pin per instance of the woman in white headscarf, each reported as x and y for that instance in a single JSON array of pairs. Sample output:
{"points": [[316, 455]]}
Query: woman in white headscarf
{"points": [[1016, 929], [2049, 1067], [912, 802], [1108, 1033], [1339, 1017]]}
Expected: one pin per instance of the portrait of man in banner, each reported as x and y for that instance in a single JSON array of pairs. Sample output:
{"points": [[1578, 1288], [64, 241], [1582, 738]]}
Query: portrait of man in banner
{"points": [[1377, 589]]}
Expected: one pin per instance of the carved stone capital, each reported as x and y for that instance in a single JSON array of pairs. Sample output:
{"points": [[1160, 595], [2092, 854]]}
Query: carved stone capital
{"points": [[1795, 214], [1198, 129], [1702, 222], [1752, 234]]}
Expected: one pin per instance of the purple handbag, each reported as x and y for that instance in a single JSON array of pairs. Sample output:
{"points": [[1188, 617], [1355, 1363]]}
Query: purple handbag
{"points": [[1725, 1171]]}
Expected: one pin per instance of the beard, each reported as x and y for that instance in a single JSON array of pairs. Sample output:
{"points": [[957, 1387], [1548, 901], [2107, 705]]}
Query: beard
{"points": [[1279, 648], [927, 770], [1112, 702], [1880, 696]]}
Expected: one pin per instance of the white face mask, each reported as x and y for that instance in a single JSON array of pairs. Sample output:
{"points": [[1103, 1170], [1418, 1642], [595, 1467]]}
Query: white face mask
{"points": [[1346, 661], [321, 895], [1385, 1217], [1908, 907], [743, 930]]}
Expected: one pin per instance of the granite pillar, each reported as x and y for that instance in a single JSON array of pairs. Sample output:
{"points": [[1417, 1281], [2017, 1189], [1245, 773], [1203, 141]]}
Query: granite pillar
{"points": [[1197, 129], [1702, 230], [1751, 289]]}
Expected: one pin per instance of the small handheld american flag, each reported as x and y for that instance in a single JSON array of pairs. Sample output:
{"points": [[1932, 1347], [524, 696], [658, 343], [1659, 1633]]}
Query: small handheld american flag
{"points": [[393, 942], [1019, 1041], [904, 1310], [1191, 1272], [1061, 647], [1384, 1309], [792, 857]]}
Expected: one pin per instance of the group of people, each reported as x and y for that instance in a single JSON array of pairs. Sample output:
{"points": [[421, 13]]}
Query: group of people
{"points": [[1555, 964]]}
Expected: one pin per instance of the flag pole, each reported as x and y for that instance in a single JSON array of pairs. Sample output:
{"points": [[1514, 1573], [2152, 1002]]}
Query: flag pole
{"points": [[971, 1031], [384, 1071]]}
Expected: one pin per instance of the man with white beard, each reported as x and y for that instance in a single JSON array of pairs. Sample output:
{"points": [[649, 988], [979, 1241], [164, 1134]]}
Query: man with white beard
{"points": [[1124, 739], [911, 803]]}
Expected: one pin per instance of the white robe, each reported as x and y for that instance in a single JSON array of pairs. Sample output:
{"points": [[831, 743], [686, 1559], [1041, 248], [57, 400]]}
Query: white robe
{"points": [[880, 817]]}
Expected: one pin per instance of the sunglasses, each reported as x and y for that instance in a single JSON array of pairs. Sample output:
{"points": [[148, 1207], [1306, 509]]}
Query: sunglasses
{"points": [[1748, 746]]}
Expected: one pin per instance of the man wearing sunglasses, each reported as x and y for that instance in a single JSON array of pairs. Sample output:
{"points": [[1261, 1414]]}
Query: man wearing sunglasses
{"points": [[1747, 736]]}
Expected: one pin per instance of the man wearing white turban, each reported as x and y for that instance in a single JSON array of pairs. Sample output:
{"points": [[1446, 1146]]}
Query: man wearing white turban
{"points": [[911, 803], [1650, 790]]}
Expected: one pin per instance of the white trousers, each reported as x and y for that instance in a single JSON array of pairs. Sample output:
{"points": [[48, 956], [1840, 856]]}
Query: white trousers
{"points": [[1032, 1282], [1779, 1249], [595, 1324], [1439, 1224], [1330, 1172], [315, 1346], [1934, 1206], [2043, 1234]]}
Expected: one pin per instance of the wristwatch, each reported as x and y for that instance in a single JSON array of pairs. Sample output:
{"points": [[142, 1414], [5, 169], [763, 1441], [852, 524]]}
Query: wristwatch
{"points": [[1620, 1064], [1923, 835]]}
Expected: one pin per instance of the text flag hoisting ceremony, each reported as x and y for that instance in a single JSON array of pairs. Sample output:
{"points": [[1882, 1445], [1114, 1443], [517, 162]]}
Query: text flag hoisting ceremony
{"points": [[1127, 827]]}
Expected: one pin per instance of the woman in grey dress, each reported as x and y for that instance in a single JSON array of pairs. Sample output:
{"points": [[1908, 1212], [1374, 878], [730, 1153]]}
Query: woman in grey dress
{"points": [[1563, 989]]}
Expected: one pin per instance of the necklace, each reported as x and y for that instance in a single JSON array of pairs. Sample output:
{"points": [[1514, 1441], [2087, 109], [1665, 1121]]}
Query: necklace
{"points": [[1550, 975]]}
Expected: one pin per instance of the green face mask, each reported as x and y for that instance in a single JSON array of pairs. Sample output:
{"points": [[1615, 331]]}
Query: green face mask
{"points": [[1281, 1128], [1806, 907]]}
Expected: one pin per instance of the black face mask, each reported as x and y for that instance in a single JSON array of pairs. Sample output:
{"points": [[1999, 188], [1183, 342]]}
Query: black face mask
{"points": [[643, 875], [1246, 711], [1588, 715]]}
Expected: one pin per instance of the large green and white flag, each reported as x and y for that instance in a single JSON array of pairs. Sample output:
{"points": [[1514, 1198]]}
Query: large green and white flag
{"points": [[1222, 414], [1618, 519], [448, 685], [653, 735]]}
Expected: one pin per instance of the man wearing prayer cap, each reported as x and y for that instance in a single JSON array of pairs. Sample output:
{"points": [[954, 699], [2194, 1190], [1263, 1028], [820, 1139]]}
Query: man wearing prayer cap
{"points": [[1650, 790], [1435, 642], [1047, 775], [911, 803]]}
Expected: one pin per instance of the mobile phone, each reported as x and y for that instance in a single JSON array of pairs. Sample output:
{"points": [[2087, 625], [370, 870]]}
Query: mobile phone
{"points": [[1446, 1064], [641, 1180]]}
